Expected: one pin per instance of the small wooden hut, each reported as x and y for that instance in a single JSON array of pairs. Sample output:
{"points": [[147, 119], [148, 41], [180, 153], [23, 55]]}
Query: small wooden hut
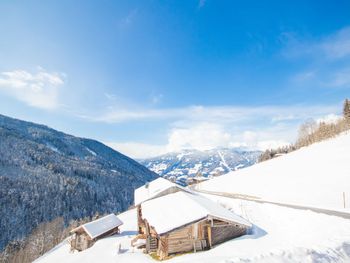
{"points": [[183, 222], [155, 189], [196, 180], [86, 235]]}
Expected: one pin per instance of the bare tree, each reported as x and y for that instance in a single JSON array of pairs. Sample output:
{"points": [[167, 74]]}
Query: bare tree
{"points": [[311, 132], [346, 110], [306, 133]]}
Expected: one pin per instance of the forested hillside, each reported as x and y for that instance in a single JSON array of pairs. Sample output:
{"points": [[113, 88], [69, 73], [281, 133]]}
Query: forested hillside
{"points": [[45, 174]]}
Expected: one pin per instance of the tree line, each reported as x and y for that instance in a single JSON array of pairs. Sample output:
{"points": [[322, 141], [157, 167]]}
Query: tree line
{"points": [[311, 132], [42, 239]]}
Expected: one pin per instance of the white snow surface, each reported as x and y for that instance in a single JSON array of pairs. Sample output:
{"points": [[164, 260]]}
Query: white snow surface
{"points": [[159, 168], [224, 161], [154, 189], [314, 176], [101, 225], [175, 210], [279, 234]]}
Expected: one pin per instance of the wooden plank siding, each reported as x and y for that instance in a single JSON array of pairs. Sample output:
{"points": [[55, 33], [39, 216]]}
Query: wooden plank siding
{"points": [[163, 247], [223, 233], [180, 240], [194, 237]]}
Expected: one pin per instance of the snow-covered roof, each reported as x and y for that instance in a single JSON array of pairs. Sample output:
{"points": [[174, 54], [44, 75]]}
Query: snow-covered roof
{"points": [[200, 178], [156, 188], [100, 226], [175, 210]]}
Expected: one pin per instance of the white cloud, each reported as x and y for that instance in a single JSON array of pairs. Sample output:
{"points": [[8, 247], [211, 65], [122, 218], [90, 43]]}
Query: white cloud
{"points": [[138, 150], [203, 128], [203, 136], [40, 89]]}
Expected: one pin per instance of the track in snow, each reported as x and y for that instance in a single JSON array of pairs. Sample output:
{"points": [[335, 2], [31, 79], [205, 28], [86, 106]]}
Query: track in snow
{"points": [[259, 200]]}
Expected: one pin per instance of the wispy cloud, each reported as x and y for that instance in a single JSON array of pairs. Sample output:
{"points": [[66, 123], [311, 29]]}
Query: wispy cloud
{"points": [[40, 89], [338, 45], [128, 19], [156, 98], [223, 114], [205, 128], [334, 46], [340, 78], [326, 60], [324, 77], [201, 3]]}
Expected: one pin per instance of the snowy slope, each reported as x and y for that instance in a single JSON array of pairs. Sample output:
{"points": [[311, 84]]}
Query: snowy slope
{"points": [[279, 235], [315, 176]]}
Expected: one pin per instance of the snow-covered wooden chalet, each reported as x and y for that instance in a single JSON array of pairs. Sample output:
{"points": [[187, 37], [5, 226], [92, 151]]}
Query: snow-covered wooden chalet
{"points": [[182, 222], [155, 189], [86, 235]]}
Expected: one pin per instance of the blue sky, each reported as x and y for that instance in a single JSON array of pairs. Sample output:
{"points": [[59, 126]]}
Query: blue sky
{"points": [[147, 77]]}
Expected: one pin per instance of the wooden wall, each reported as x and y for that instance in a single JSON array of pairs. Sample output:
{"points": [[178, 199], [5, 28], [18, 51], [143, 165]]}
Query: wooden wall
{"points": [[81, 242], [180, 240], [188, 238], [223, 233], [195, 237]]}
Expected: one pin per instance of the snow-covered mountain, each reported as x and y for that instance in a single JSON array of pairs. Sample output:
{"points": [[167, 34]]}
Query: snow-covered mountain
{"points": [[188, 163]]}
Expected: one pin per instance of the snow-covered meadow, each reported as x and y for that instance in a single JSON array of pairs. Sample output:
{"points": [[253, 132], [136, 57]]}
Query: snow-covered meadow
{"points": [[279, 234]]}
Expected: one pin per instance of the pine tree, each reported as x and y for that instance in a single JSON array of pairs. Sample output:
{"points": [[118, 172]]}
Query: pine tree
{"points": [[346, 110]]}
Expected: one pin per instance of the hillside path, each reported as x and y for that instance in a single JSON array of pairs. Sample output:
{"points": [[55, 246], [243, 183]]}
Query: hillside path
{"points": [[259, 200]]}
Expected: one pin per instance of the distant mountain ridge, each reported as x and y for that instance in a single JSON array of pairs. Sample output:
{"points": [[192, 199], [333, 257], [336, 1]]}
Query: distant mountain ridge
{"points": [[45, 174], [188, 163]]}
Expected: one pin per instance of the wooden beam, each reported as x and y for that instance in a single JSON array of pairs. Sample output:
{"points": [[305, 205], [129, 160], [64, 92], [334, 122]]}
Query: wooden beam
{"points": [[163, 248], [209, 236], [147, 228]]}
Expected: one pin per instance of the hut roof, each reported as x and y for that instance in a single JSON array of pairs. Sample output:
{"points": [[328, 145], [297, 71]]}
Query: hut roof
{"points": [[100, 226], [155, 189], [178, 209]]}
